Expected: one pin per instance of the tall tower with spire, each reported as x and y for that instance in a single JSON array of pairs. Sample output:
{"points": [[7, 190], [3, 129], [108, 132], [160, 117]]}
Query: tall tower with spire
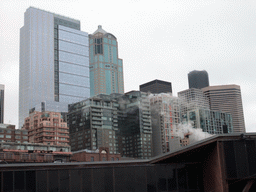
{"points": [[106, 69]]}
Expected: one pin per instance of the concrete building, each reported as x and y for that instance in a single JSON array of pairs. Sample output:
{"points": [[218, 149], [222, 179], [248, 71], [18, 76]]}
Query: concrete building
{"points": [[54, 62], [165, 115], [198, 79], [47, 128], [93, 123], [8, 133], [1, 103], [228, 99], [213, 122], [101, 154], [156, 86], [106, 69], [134, 125]]}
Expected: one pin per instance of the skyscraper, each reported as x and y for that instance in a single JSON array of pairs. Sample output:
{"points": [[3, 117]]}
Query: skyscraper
{"points": [[106, 69], [54, 62], [227, 98], [1, 103], [157, 86], [198, 79]]}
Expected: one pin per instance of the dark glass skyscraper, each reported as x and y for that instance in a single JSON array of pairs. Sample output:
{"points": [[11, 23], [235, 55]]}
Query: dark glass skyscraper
{"points": [[157, 86], [198, 79], [1, 103]]}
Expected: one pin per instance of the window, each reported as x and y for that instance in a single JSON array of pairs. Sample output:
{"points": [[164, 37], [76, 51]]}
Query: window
{"points": [[112, 159], [92, 159], [117, 159], [8, 136], [103, 158]]}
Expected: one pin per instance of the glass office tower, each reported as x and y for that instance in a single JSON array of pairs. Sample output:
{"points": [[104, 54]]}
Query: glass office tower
{"points": [[54, 62], [106, 69]]}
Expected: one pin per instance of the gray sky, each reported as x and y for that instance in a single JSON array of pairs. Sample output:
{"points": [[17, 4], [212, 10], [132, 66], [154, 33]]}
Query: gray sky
{"points": [[156, 39]]}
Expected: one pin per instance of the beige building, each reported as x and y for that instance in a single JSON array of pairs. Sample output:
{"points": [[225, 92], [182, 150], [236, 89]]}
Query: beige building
{"points": [[47, 128], [165, 116], [227, 98]]}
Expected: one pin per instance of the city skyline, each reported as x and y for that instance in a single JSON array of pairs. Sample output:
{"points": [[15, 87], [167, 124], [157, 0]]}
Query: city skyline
{"points": [[160, 41]]}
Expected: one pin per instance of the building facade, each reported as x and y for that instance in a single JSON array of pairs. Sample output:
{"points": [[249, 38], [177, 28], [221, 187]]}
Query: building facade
{"points": [[93, 123], [192, 99], [228, 99], [198, 79], [8, 134], [213, 122], [1, 103], [156, 86], [165, 115], [106, 69], [134, 125], [54, 62], [47, 128], [33, 153], [101, 154]]}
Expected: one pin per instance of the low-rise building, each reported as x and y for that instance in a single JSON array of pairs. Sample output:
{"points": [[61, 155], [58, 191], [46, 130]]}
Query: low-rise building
{"points": [[8, 133], [13, 152], [47, 128], [101, 154]]}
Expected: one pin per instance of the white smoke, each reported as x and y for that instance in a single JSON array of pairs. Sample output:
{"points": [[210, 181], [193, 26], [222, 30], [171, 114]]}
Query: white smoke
{"points": [[195, 134]]}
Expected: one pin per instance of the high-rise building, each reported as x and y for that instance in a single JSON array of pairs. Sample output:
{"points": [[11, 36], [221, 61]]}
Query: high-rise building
{"points": [[93, 123], [121, 123], [165, 115], [228, 99], [1, 103], [134, 125], [156, 86], [198, 79], [192, 99], [106, 69], [54, 62], [47, 128]]}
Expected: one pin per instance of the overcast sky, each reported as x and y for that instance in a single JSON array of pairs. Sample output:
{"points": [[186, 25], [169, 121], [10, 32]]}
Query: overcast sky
{"points": [[156, 39]]}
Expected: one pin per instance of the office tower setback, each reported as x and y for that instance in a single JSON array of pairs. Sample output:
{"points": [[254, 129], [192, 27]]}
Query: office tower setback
{"points": [[1, 103], [106, 69], [157, 86], [47, 128], [198, 79], [54, 62], [228, 99], [165, 115]]}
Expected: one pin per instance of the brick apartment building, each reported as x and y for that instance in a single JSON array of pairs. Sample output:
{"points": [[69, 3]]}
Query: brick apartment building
{"points": [[47, 128], [8, 133], [101, 154], [13, 152]]}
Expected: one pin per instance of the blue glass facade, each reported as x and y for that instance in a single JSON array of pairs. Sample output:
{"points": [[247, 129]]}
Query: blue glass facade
{"points": [[54, 62]]}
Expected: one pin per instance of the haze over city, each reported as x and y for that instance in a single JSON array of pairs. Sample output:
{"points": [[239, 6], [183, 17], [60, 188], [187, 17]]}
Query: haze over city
{"points": [[157, 40]]}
